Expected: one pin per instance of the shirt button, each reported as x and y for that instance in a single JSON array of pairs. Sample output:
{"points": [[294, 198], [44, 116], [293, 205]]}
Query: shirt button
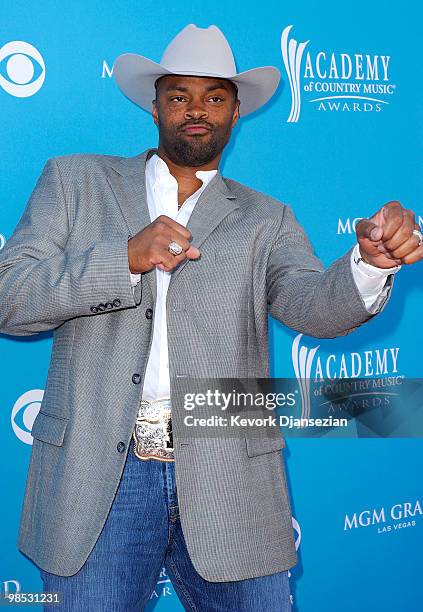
{"points": [[149, 313], [136, 379], [121, 447]]}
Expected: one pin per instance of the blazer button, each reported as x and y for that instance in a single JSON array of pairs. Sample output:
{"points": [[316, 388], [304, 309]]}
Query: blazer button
{"points": [[109, 305], [94, 309], [102, 307], [116, 302], [136, 379], [149, 313], [121, 447]]}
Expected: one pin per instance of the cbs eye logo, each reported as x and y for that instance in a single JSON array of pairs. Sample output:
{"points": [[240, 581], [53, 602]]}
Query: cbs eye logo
{"points": [[22, 69], [24, 412]]}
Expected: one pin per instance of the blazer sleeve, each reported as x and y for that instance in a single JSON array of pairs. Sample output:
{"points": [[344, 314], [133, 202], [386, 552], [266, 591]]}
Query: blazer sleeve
{"points": [[42, 282], [306, 297]]}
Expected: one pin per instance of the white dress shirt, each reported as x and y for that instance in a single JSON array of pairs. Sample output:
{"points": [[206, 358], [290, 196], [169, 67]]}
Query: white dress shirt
{"points": [[162, 199]]}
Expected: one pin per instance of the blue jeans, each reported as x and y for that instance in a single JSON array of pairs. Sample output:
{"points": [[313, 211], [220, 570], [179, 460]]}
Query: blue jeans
{"points": [[142, 534]]}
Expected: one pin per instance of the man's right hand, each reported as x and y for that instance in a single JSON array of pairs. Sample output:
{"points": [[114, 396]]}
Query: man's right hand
{"points": [[149, 248]]}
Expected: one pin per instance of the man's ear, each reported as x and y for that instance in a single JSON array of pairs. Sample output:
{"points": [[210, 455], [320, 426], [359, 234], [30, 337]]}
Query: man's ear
{"points": [[154, 112], [235, 116]]}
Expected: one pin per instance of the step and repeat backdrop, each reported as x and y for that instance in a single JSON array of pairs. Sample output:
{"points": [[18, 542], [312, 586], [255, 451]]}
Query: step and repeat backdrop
{"points": [[341, 137]]}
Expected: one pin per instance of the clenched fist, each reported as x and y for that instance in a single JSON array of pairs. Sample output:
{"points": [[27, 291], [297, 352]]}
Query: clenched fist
{"points": [[387, 239], [149, 248]]}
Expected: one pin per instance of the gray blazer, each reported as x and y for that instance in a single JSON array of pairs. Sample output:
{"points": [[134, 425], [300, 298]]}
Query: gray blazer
{"points": [[65, 268]]}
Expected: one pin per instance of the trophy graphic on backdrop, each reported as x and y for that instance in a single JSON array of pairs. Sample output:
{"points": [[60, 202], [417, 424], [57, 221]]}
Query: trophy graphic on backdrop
{"points": [[292, 53]]}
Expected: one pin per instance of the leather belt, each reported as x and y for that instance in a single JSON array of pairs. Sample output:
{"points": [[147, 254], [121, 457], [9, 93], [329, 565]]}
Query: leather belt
{"points": [[152, 433]]}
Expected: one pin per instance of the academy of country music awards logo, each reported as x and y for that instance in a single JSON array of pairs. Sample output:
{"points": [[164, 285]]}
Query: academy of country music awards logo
{"points": [[335, 81], [163, 586], [372, 364], [24, 69]]}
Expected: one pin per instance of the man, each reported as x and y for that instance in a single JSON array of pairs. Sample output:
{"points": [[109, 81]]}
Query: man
{"points": [[149, 270]]}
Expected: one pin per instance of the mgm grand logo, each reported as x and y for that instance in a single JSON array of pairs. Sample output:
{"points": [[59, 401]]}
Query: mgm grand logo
{"points": [[347, 225], [335, 81], [385, 520]]}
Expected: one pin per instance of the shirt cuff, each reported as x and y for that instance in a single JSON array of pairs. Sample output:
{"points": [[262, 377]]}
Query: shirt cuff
{"points": [[135, 279], [370, 280]]}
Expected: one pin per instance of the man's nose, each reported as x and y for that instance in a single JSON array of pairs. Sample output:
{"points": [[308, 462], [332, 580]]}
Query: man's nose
{"points": [[196, 110]]}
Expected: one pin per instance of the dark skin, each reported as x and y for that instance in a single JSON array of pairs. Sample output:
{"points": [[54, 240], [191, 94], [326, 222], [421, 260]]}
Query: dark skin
{"points": [[188, 101], [385, 240], [184, 101]]}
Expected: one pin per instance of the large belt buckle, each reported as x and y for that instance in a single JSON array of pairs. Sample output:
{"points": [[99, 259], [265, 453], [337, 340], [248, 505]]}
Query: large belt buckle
{"points": [[152, 433]]}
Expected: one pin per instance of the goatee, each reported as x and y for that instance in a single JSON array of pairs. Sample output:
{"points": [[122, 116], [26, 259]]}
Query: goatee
{"points": [[194, 152]]}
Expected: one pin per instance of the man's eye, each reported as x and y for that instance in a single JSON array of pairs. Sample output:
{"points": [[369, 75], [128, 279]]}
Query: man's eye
{"points": [[177, 97], [216, 98]]}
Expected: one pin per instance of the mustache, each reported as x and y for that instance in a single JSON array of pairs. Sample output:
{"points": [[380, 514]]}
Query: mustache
{"points": [[194, 123]]}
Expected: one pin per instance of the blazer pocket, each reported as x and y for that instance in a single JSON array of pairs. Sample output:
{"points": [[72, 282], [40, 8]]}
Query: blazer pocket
{"points": [[261, 444], [49, 428]]}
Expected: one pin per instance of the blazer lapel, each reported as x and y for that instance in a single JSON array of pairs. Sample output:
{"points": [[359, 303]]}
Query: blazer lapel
{"points": [[126, 178], [214, 204]]}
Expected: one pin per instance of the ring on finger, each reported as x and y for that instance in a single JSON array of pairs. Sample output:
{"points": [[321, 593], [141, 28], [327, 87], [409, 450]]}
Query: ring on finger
{"points": [[174, 248], [419, 236]]}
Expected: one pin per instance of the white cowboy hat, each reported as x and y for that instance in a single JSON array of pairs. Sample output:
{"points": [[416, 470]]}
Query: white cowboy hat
{"points": [[196, 52]]}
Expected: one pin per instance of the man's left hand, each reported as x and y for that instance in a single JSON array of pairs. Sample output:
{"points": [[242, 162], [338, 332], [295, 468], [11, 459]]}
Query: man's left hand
{"points": [[387, 239]]}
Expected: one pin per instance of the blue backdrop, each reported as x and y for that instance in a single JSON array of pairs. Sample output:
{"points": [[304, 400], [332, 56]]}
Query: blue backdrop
{"points": [[341, 138]]}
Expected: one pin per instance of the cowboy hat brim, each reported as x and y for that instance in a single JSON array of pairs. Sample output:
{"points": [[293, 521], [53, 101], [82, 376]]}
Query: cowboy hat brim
{"points": [[135, 76]]}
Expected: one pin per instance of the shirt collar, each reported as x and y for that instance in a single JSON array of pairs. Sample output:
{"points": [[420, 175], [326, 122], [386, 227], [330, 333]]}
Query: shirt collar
{"points": [[161, 173]]}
